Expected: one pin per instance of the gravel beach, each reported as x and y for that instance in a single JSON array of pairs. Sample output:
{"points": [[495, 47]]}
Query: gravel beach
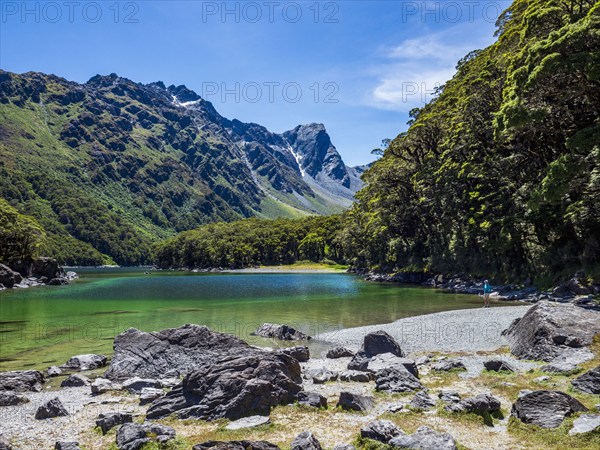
{"points": [[466, 330]]}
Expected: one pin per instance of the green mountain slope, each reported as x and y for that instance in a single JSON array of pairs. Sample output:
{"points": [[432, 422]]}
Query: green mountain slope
{"points": [[111, 166], [501, 172]]}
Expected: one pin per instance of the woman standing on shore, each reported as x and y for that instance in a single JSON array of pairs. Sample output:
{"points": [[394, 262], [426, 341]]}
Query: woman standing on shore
{"points": [[487, 290]]}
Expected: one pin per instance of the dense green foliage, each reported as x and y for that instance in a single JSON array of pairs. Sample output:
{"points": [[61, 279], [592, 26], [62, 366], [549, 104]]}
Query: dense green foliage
{"points": [[20, 235], [500, 174], [254, 242]]}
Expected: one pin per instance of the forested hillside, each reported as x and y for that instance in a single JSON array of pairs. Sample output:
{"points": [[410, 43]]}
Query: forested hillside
{"points": [[110, 167], [500, 174]]}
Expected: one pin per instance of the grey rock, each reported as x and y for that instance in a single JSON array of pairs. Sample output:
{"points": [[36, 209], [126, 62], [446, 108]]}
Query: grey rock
{"points": [[541, 379], [422, 400], [448, 365], [281, 332], [386, 360], [449, 396], [355, 402], [301, 353], [21, 381], [248, 422], [235, 445], [52, 408], [356, 375], [233, 388], [585, 423], [546, 409], [54, 371], [172, 352], [324, 375], [478, 404], [497, 365], [12, 399], [133, 436], [107, 422], [339, 352], [85, 362], [149, 394], [169, 382], [381, 430], [422, 360], [394, 407], [589, 382], [344, 447], [9, 277], [4, 443], [567, 362], [101, 386], [381, 342], [396, 380], [306, 441], [313, 399], [60, 281], [62, 445], [359, 361], [75, 380], [548, 329], [425, 439], [135, 385]]}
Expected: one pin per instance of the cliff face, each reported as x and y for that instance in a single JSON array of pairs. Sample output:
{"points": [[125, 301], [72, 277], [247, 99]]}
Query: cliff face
{"points": [[109, 166]]}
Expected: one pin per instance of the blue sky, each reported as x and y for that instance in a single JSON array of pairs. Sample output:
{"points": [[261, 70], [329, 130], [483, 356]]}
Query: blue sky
{"points": [[356, 66]]}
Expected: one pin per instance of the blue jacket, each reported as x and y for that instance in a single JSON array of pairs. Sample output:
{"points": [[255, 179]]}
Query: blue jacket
{"points": [[487, 289]]}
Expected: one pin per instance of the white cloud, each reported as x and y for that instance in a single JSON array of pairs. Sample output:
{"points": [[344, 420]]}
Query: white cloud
{"points": [[411, 70]]}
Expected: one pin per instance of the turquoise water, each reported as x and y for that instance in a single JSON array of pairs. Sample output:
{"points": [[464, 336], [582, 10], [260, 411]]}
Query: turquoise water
{"points": [[46, 325]]}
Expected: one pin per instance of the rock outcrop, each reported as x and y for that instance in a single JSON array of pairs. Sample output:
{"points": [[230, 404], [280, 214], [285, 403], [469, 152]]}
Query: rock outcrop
{"points": [[233, 388], [171, 353], [589, 382], [548, 330]]}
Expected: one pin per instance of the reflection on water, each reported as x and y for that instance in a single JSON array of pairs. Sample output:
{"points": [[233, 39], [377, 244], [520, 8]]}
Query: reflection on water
{"points": [[47, 325]]}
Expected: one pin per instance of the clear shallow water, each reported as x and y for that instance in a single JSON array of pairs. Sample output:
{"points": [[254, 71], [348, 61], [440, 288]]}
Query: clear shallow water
{"points": [[46, 325]]}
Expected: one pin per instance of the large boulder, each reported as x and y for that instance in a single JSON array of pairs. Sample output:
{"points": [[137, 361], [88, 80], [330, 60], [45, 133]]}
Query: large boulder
{"points": [[424, 439], [52, 408], [589, 382], [281, 332], [171, 353], [381, 430], [396, 380], [85, 362], [21, 381], [374, 344], [9, 277], [233, 388], [548, 329], [546, 409], [235, 445]]}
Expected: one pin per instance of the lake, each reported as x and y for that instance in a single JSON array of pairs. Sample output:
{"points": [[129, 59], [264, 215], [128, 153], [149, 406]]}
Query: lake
{"points": [[46, 325]]}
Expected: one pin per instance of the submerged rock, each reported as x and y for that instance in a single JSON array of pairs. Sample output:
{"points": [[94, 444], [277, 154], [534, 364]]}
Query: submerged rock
{"points": [[233, 388], [548, 329], [281, 332], [546, 409]]}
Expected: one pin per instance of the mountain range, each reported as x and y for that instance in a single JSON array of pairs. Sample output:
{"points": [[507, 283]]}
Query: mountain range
{"points": [[111, 166]]}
